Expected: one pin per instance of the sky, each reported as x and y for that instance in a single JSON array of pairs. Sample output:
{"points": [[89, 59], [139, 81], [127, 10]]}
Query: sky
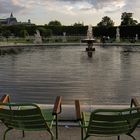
{"points": [[69, 12]]}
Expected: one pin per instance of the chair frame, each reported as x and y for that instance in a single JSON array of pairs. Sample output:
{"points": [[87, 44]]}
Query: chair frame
{"points": [[5, 101], [79, 118]]}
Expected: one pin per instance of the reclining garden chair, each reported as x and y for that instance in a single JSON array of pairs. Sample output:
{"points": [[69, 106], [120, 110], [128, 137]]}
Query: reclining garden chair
{"points": [[108, 122], [29, 117], [4, 99]]}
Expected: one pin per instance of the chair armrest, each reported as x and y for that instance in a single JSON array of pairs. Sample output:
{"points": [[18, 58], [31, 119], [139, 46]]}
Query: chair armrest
{"points": [[5, 99], [135, 102], [78, 110], [57, 105]]}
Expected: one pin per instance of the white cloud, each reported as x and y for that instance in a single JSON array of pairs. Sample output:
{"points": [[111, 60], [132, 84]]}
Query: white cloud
{"points": [[66, 6], [70, 9], [7, 6]]}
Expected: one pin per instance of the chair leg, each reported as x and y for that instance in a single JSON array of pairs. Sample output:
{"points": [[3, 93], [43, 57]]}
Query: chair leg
{"points": [[131, 136], [56, 125], [52, 136], [118, 137], [82, 135], [23, 134], [4, 136], [85, 137]]}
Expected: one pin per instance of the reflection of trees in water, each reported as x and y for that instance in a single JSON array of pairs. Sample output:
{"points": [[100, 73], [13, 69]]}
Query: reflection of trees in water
{"points": [[17, 50], [129, 74], [130, 49], [10, 51]]}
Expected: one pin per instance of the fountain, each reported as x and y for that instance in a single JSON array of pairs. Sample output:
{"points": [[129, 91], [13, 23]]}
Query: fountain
{"points": [[38, 38], [64, 37], [117, 34], [89, 40]]}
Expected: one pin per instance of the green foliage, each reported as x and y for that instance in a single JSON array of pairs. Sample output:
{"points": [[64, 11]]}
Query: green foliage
{"points": [[6, 33], [48, 32], [23, 33], [102, 31], [72, 31], [1, 29], [78, 24], [127, 20], [69, 30], [106, 22], [16, 29], [54, 23], [44, 31]]}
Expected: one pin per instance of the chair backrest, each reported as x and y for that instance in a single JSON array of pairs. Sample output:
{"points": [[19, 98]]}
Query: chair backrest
{"points": [[27, 118], [109, 122]]}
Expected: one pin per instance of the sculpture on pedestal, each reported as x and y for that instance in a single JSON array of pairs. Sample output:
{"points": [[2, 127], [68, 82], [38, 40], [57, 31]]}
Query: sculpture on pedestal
{"points": [[38, 38], [64, 37]]}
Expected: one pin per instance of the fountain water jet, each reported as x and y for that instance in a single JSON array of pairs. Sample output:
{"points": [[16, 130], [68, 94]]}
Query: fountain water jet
{"points": [[89, 40], [117, 34]]}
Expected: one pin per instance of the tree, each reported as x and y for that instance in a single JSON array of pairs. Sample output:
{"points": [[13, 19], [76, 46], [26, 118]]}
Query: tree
{"points": [[48, 32], [54, 23], [45, 32], [23, 33], [42, 31], [0, 29], [78, 24], [6, 33], [106, 22], [127, 20]]}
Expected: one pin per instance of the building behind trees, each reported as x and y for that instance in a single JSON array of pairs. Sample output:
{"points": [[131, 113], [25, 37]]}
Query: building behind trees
{"points": [[13, 21]]}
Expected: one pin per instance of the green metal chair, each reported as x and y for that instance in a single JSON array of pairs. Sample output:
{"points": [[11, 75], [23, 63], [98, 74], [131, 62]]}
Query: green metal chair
{"points": [[108, 122], [29, 117]]}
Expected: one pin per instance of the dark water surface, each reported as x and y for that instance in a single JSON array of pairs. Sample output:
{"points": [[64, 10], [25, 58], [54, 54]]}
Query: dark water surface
{"points": [[111, 76]]}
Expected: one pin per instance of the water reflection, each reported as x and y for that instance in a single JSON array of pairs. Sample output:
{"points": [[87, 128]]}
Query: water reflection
{"points": [[111, 76]]}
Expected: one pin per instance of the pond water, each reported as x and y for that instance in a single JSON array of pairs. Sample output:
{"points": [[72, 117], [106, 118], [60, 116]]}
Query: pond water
{"points": [[111, 76]]}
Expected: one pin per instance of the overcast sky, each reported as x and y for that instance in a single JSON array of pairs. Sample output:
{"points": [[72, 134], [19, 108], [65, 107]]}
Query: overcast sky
{"points": [[69, 11]]}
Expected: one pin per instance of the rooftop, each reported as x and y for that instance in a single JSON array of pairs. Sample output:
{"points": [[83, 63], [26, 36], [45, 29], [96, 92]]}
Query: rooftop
{"points": [[11, 20]]}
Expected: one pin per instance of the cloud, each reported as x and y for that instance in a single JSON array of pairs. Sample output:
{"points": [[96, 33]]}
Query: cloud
{"points": [[93, 4], [64, 6], [78, 9], [132, 5], [75, 7], [7, 6]]}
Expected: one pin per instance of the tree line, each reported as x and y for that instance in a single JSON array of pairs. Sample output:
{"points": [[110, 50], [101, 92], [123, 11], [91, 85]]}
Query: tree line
{"points": [[129, 27]]}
